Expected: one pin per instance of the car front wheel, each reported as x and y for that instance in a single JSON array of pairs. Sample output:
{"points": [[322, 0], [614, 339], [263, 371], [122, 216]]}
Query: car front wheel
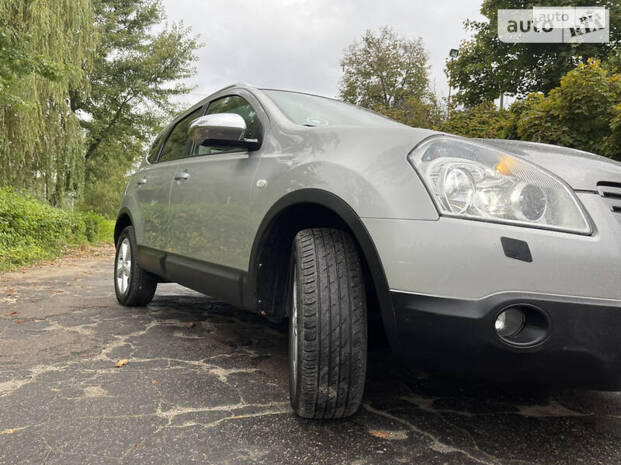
{"points": [[134, 287], [327, 325]]}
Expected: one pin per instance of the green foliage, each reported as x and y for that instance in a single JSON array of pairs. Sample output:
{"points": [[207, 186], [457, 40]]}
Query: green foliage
{"points": [[517, 109], [43, 61], [486, 66], [613, 143], [583, 112], [416, 112], [16, 62], [84, 85], [31, 230], [96, 227], [483, 121], [137, 70], [389, 74]]}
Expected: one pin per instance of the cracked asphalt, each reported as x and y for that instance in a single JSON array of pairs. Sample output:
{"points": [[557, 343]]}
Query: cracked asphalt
{"points": [[207, 383]]}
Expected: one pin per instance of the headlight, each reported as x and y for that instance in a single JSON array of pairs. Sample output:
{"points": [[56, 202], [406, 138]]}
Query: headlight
{"points": [[469, 180]]}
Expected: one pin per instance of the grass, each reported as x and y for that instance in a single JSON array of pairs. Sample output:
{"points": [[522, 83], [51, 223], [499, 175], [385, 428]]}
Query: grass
{"points": [[32, 231]]}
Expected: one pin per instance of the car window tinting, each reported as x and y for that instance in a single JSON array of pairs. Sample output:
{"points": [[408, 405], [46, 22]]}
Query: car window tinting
{"points": [[313, 110], [232, 104], [154, 151], [179, 143]]}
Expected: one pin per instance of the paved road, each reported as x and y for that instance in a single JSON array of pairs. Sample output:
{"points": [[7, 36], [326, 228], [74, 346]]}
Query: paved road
{"points": [[206, 383]]}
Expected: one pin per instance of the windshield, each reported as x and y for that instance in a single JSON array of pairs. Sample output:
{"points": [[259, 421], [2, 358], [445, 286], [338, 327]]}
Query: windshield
{"points": [[313, 110]]}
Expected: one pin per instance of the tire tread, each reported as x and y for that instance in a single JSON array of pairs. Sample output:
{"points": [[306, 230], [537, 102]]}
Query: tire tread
{"points": [[142, 284], [334, 331]]}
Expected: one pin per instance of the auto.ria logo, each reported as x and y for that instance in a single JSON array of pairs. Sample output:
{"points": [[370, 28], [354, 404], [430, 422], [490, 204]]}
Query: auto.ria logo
{"points": [[554, 25]]}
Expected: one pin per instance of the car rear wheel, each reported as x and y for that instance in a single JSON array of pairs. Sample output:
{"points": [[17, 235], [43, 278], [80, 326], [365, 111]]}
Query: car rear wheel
{"points": [[327, 325], [134, 287]]}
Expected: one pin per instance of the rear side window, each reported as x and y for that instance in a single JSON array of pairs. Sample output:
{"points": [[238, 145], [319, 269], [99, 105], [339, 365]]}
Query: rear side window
{"points": [[154, 151], [179, 143]]}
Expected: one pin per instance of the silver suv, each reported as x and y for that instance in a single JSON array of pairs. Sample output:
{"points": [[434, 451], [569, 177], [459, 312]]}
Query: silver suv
{"points": [[493, 259]]}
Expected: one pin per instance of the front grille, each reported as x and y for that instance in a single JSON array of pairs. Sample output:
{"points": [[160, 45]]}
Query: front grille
{"points": [[611, 192]]}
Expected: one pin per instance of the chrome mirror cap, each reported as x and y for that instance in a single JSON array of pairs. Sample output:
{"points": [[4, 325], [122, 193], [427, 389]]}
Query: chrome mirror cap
{"points": [[218, 128]]}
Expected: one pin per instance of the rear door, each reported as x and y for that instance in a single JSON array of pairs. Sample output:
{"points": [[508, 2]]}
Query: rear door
{"points": [[154, 182], [210, 206]]}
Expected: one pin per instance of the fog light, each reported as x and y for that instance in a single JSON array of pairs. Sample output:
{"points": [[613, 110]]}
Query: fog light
{"points": [[510, 322]]}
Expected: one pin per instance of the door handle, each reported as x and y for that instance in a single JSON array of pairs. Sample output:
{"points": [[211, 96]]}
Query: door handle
{"points": [[142, 182], [182, 176]]}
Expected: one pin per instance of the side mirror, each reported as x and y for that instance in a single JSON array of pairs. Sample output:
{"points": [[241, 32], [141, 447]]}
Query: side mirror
{"points": [[222, 129]]}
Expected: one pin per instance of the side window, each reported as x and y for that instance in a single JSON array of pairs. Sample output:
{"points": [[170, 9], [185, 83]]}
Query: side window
{"points": [[154, 151], [179, 142], [232, 104]]}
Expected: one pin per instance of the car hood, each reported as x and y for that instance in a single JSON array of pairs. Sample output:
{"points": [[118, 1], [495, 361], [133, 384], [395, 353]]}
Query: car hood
{"points": [[581, 170]]}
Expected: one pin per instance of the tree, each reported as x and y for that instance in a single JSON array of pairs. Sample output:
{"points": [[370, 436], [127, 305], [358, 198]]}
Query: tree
{"points": [[487, 67], [17, 61], [483, 120], [612, 143], [516, 110], [137, 70], [389, 74], [417, 112], [583, 112], [43, 61]]}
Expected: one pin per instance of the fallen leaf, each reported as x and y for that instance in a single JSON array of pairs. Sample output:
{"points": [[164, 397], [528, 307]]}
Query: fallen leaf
{"points": [[191, 325], [154, 381], [20, 322], [379, 434], [10, 314], [120, 363], [12, 430]]}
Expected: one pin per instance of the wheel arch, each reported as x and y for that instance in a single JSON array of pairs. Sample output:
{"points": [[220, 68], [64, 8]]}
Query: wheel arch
{"points": [[271, 250], [123, 220]]}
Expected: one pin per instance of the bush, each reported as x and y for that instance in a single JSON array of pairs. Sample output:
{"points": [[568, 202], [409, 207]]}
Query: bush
{"points": [[98, 228], [582, 113], [31, 230], [483, 121]]}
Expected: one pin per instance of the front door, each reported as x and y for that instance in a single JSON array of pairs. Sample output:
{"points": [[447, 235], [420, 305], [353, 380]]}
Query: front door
{"points": [[210, 205]]}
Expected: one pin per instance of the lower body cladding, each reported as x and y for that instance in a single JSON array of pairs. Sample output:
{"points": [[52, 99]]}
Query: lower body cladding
{"points": [[552, 341], [467, 304]]}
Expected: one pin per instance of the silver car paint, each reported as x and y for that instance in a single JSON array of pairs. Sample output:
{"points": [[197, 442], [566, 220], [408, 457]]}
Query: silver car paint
{"points": [[150, 189], [464, 259], [581, 170], [368, 169], [210, 213]]}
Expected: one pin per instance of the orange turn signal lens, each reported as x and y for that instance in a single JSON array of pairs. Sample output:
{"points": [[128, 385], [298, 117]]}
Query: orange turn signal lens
{"points": [[505, 165]]}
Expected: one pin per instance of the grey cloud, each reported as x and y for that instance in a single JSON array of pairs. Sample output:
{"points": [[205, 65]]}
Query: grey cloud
{"points": [[297, 44]]}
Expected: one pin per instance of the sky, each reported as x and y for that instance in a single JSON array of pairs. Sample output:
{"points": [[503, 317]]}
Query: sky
{"points": [[298, 44]]}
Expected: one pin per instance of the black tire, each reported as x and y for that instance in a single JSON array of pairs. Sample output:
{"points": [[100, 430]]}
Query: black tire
{"points": [[327, 371], [141, 284]]}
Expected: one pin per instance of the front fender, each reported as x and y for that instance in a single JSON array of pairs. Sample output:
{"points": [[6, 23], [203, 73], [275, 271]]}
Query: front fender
{"points": [[374, 187]]}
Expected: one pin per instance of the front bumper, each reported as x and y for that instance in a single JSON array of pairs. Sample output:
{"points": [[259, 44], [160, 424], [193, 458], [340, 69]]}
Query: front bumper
{"points": [[574, 280], [582, 347]]}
